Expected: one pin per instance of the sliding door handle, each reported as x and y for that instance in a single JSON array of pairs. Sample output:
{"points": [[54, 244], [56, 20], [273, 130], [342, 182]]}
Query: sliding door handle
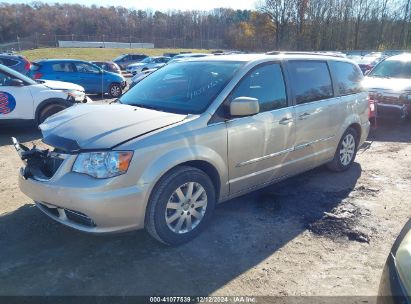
{"points": [[304, 116], [285, 121]]}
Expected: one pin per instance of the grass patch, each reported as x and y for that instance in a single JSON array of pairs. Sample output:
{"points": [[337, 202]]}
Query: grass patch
{"points": [[95, 54]]}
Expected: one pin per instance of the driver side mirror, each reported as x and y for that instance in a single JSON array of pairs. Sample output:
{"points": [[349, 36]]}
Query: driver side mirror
{"points": [[14, 82], [367, 72], [244, 106]]}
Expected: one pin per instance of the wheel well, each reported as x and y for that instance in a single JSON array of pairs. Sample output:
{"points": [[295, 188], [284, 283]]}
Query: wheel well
{"points": [[357, 128], [208, 169], [47, 103]]}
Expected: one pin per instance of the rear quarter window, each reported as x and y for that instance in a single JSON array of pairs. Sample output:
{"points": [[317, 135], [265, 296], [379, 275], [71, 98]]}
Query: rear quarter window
{"points": [[348, 77], [310, 80]]}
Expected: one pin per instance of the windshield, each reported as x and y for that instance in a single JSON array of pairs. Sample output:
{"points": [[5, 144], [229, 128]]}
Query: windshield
{"points": [[17, 75], [183, 87], [119, 57], [392, 69], [147, 60]]}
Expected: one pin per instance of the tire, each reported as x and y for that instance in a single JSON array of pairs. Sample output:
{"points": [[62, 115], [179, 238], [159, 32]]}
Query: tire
{"points": [[346, 151], [165, 203], [115, 90], [49, 111]]}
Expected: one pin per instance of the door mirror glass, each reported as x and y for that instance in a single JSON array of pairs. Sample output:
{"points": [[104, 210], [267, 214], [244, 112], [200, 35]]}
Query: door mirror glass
{"points": [[244, 106]]}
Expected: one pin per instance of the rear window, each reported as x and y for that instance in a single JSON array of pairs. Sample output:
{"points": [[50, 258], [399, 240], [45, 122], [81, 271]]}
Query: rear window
{"points": [[311, 81], [8, 62], [348, 77], [139, 57]]}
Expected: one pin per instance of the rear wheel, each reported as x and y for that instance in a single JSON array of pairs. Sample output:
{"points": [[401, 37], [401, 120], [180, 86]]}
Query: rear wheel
{"points": [[346, 151], [180, 205], [49, 111], [115, 90]]}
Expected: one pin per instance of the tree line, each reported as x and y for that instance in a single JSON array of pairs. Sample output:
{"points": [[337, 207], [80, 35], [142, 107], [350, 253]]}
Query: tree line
{"points": [[273, 24]]}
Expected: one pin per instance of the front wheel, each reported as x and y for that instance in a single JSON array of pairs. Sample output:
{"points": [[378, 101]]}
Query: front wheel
{"points": [[49, 111], [115, 90], [180, 205], [346, 151]]}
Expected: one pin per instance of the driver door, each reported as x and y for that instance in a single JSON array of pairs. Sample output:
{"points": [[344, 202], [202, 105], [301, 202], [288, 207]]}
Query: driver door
{"points": [[260, 146], [89, 77], [16, 102]]}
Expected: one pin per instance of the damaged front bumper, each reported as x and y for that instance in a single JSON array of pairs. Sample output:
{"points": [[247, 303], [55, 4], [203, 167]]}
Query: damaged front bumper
{"points": [[78, 200]]}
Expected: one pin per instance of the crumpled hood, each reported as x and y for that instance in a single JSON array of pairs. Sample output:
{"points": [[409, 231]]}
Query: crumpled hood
{"points": [[85, 127], [392, 84], [61, 85]]}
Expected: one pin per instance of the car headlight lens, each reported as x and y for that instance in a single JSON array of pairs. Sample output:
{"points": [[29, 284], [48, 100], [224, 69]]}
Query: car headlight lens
{"points": [[103, 164], [76, 95]]}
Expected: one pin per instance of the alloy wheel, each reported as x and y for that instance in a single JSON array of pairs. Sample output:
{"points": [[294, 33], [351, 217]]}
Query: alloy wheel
{"points": [[186, 207]]}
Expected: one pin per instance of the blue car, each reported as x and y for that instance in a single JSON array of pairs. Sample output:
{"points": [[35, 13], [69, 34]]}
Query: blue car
{"points": [[92, 78]]}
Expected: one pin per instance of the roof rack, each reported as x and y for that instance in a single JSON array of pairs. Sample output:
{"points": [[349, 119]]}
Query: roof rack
{"points": [[331, 54]]}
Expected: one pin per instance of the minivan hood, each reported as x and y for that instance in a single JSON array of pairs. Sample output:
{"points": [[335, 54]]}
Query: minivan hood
{"points": [[391, 84], [93, 127], [61, 85]]}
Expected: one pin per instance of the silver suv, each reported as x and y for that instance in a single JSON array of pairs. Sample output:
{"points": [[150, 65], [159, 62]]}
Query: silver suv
{"points": [[191, 135]]}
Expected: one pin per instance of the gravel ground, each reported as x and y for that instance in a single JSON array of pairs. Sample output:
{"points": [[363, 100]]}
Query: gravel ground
{"points": [[320, 233]]}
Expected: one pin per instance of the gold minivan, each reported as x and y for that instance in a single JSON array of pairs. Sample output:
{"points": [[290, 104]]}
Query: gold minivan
{"points": [[193, 134]]}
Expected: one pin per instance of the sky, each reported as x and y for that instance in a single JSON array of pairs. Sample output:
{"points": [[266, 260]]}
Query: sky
{"points": [[163, 5]]}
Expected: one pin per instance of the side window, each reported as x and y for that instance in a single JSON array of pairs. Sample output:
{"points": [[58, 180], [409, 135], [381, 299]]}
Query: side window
{"points": [[4, 79], [266, 83], [62, 67], [311, 80], [348, 77], [86, 68]]}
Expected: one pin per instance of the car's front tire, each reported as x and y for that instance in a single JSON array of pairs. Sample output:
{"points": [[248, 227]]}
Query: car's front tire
{"points": [[346, 151], [49, 111], [115, 90], [180, 205]]}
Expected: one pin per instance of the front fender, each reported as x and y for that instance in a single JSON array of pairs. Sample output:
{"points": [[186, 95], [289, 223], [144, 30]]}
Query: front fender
{"points": [[161, 165]]}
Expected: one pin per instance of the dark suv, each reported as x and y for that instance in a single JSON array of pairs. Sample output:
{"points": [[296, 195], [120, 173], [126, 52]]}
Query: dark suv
{"points": [[124, 60], [16, 62]]}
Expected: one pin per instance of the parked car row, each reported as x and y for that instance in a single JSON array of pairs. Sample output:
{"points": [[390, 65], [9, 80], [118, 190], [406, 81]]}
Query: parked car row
{"points": [[94, 79]]}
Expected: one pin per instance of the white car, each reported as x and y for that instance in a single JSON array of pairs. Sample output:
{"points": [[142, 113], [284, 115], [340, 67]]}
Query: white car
{"points": [[24, 99], [148, 63]]}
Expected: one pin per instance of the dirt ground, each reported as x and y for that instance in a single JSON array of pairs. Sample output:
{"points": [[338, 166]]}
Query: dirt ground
{"points": [[320, 233]]}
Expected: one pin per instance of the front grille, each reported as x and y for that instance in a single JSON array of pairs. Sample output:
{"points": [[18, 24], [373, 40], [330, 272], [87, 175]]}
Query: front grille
{"points": [[43, 166]]}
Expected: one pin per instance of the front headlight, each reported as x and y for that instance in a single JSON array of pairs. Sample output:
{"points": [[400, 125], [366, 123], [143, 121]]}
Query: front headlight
{"points": [[103, 164], [77, 96]]}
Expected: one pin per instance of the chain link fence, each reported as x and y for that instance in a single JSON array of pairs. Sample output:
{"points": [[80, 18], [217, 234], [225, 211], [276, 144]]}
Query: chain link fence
{"points": [[47, 41]]}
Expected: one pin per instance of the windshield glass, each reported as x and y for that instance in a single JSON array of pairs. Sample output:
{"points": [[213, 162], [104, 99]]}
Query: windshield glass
{"points": [[184, 87], [392, 69], [147, 60], [119, 57]]}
